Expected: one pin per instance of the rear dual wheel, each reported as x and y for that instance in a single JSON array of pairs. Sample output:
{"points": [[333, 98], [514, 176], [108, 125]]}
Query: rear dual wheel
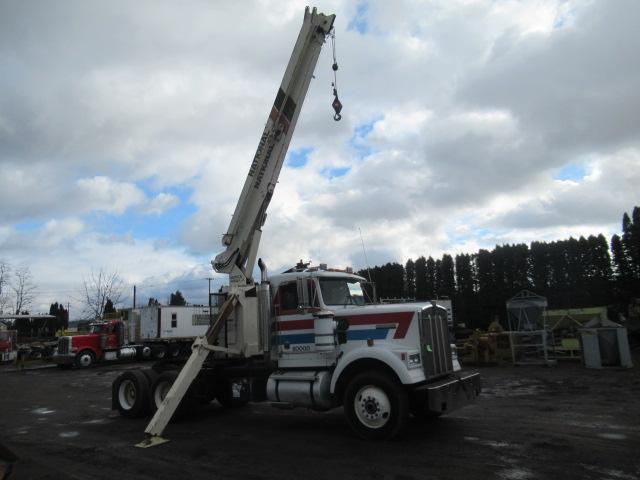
{"points": [[160, 388], [130, 392]]}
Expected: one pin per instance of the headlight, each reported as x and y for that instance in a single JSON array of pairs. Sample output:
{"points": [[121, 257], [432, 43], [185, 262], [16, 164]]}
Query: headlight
{"points": [[413, 360]]}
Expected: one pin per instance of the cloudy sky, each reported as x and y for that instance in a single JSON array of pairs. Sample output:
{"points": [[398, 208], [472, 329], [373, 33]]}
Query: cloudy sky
{"points": [[127, 129]]}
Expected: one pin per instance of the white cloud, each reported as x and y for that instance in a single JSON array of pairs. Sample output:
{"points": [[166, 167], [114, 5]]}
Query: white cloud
{"points": [[475, 106], [103, 194], [160, 203]]}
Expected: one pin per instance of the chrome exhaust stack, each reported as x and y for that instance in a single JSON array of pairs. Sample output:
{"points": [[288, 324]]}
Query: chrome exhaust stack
{"points": [[264, 308]]}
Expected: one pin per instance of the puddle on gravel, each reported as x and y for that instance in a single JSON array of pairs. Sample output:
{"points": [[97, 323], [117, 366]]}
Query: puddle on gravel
{"points": [[42, 411], [488, 443], [513, 388], [610, 472], [613, 436], [96, 421], [68, 434], [515, 474]]}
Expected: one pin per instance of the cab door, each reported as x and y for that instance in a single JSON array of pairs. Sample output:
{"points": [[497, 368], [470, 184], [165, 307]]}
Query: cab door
{"points": [[294, 325]]}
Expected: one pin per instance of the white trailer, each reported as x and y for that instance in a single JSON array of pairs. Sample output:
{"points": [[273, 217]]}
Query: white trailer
{"points": [[168, 329]]}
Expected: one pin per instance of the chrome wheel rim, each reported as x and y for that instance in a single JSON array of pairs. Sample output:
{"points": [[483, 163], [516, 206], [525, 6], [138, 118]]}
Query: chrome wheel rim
{"points": [[127, 394], [372, 406], [85, 359]]}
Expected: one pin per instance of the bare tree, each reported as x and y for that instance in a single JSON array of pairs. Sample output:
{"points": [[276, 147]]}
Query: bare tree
{"points": [[23, 289], [97, 289], [5, 271]]}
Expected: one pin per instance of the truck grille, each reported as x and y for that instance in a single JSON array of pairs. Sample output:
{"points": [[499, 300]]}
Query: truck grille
{"points": [[435, 344], [63, 345]]}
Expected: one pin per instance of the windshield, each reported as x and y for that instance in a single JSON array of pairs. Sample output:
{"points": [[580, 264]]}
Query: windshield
{"points": [[341, 291], [97, 328]]}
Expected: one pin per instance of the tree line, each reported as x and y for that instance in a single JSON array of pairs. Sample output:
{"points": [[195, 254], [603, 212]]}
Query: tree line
{"points": [[571, 273]]}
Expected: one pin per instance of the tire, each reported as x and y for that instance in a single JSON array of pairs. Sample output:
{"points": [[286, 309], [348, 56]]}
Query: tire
{"points": [[85, 359], [161, 386], [159, 352], [130, 394], [376, 406]]}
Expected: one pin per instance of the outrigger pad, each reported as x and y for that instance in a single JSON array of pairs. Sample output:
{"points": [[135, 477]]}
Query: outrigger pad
{"points": [[152, 441]]}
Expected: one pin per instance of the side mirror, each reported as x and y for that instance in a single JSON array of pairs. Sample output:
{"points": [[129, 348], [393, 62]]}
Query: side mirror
{"points": [[342, 325]]}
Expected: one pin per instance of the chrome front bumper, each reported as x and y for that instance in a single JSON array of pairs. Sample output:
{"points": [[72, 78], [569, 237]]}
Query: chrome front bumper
{"points": [[64, 359], [449, 394]]}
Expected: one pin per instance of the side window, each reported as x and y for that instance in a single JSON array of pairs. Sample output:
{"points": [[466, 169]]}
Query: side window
{"points": [[289, 297], [313, 294], [174, 320]]}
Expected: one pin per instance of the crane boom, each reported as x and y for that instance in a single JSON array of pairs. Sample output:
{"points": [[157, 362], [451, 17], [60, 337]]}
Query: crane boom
{"points": [[243, 235]]}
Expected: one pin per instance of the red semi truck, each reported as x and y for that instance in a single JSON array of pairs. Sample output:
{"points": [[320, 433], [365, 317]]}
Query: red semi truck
{"points": [[143, 333]]}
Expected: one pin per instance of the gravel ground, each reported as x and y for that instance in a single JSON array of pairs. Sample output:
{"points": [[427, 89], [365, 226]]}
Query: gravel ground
{"points": [[530, 423]]}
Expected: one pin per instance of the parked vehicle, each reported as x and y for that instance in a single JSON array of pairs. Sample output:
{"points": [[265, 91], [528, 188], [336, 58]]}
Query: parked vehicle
{"points": [[8, 345], [306, 337], [154, 332]]}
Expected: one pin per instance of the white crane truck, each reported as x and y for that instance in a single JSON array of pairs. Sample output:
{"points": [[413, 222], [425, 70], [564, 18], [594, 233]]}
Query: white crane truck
{"points": [[306, 337]]}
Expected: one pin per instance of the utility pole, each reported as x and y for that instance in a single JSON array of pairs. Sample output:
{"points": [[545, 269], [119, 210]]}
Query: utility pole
{"points": [[134, 296], [210, 316]]}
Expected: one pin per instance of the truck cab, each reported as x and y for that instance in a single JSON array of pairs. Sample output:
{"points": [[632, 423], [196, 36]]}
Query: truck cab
{"points": [[326, 330], [105, 341]]}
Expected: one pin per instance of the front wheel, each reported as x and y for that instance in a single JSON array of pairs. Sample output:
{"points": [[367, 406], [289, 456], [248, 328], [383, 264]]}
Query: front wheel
{"points": [[85, 359], [376, 406]]}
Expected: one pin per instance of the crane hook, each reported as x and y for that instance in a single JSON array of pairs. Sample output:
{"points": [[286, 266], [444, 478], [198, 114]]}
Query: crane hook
{"points": [[337, 106]]}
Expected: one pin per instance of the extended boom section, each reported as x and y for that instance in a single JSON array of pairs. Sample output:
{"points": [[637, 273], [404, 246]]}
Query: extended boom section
{"points": [[243, 235]]}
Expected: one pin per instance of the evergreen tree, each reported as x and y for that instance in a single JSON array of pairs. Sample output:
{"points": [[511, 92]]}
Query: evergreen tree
{"points": [[631, 241], [62, 316], [464, 300], [421, 279], [410, 279], [540, 268], [431, 279], [177, 300], [620, 259], [600, 280], [447, 277], [109, 307]]}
